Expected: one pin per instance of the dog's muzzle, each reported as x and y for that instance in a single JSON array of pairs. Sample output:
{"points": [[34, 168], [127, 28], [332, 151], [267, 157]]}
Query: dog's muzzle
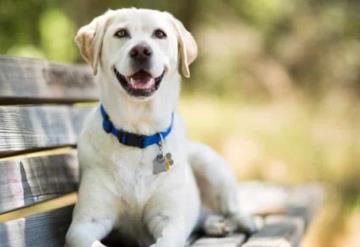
{"points": [[140, 84]]}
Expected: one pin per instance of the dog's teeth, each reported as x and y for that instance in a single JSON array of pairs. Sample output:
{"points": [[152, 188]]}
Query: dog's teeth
{"points": [[132, 82]]}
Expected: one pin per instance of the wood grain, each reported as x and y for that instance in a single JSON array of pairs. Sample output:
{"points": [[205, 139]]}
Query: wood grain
{"points": [[265, 199], [26, 181], [279, 231], [39, 127], [25, 80], [46, 229], [305, 201], [230, 241]]}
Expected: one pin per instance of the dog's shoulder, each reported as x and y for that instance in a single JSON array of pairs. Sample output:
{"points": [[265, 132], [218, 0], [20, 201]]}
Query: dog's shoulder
{"points": [[93, 141]]}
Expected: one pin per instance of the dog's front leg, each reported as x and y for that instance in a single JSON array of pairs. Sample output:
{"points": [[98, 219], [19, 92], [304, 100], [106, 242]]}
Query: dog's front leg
{"points": [[167, 230], [170, 220], [93, 216], [87, 234]]}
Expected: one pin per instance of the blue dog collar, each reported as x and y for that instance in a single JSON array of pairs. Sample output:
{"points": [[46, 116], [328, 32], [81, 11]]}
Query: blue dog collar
{"points": [[131, 139]]}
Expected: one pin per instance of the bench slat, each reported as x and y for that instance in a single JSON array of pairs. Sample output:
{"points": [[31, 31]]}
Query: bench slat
{"points": [[46, 229], [39, 127], [35, 80], [231, 241], [26, 181], [279, 231], [264, 199]]}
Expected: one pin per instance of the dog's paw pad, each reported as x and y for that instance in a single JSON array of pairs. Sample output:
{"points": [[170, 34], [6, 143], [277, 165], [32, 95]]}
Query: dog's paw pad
{"points": [[216, 225]]}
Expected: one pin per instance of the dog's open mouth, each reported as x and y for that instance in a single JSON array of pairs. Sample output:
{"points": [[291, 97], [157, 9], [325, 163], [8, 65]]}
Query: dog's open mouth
{"points": [[140, 84]]}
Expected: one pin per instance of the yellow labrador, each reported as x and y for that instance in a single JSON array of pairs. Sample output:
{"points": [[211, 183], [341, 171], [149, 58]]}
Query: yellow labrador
{"points": [[140, 174]]}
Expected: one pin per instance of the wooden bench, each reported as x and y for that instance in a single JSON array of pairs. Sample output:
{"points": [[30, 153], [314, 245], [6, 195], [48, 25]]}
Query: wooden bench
{"points": [[42, 108]]}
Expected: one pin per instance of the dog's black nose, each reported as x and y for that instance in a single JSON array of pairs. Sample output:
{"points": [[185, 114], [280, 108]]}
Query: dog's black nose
{"points": [[141, 52]]}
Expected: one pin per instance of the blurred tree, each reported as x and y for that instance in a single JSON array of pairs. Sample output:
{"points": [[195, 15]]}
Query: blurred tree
{"points": [[59, 49]]}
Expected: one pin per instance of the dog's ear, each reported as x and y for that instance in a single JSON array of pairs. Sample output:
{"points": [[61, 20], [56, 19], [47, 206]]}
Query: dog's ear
{"points": [[89, 39], [187, 46]]}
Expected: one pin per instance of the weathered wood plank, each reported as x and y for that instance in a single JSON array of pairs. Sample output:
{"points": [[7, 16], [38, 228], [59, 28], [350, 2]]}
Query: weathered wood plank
{"points": [[305, 200], [279, 231], [46, 229], [26, 181], [31, 80], [266, 199], [230, 241], [294, 207], [262, 198], [37, 127]]}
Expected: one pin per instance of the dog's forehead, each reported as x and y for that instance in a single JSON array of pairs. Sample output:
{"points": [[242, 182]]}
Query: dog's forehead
{"points": [[140, 18]]}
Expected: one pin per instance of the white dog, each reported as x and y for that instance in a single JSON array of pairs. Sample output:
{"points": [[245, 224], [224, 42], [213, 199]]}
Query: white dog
{"points": [[140, 174]]}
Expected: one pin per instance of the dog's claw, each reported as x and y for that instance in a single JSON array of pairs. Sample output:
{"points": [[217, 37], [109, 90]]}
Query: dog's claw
{"points": [[217, 225]]}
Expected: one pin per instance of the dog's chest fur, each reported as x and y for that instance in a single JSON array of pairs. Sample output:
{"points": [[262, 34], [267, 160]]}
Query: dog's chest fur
{"points": [[127, 172]]}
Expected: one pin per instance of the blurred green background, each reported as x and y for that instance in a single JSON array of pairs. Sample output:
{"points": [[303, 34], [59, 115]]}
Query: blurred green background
{"points": [[275, 89]]}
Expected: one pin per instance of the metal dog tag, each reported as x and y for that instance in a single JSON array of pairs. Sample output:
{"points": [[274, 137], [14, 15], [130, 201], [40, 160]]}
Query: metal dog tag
{"points": [[162, 163], [159, 164], [168, 161]]}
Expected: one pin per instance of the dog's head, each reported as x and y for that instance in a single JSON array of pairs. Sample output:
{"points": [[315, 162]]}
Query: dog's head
{"points": [[137, 48]]}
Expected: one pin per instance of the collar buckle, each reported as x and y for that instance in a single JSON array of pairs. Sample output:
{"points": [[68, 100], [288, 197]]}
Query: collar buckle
{"points": [[133, 140]]}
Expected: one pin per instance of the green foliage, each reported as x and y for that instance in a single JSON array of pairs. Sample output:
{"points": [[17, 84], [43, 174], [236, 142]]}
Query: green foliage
{"points": [[263, 13], [54, 25], [19, 22], [26, 51], [313, 44]]}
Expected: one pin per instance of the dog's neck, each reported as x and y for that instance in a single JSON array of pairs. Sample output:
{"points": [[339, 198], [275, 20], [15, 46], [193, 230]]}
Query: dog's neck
{"points": [[146, 116]]}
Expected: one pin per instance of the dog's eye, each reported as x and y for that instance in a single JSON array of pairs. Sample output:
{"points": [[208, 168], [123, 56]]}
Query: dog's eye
{"points": [[160, 34], [122, 33]]}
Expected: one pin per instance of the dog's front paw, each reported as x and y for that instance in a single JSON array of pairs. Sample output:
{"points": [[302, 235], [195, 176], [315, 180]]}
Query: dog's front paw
{"points": [[97, 244], [246, 223], [218, 226], [162, 242]]}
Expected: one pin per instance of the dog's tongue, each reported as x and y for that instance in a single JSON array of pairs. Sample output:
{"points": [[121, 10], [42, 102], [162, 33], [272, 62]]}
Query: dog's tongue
{"points": [[142, 80]]}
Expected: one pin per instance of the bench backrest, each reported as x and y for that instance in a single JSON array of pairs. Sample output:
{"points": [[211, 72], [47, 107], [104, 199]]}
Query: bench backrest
{"points": [[40, 119]]}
